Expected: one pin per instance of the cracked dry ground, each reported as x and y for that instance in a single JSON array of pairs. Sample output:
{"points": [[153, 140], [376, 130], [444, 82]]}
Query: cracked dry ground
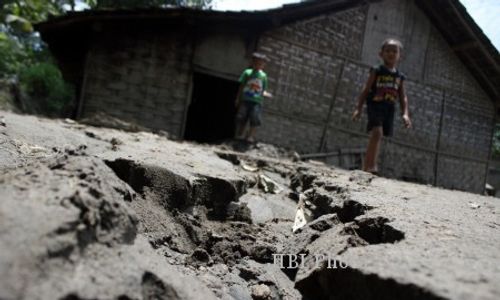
{"points": [[90, 213]]}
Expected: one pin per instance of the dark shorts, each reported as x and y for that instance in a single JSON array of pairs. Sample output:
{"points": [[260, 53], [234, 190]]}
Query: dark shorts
{"points": [[381, 115], [250, 111]]}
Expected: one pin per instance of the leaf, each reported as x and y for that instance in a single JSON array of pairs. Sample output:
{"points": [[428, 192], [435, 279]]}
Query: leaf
{"points": [[19, 23]]}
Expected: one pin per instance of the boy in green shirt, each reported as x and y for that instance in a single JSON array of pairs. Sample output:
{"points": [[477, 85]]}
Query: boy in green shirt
{"points": [[249, 99]]}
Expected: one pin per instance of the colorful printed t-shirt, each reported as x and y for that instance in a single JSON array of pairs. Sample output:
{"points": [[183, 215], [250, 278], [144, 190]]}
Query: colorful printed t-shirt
{"points": [[385, 89], [255, 83]]}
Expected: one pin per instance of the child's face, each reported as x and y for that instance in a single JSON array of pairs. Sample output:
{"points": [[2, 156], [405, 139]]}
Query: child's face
{"points": [[390, 54], [258, 64]]}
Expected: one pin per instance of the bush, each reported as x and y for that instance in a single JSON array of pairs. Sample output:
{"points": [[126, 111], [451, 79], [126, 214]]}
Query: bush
{"points": [[44, 82], [12, 56]]}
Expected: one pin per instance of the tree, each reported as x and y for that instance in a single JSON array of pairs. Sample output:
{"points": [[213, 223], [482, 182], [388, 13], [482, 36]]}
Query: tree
{"points": [[100, 4], [23, 55]]}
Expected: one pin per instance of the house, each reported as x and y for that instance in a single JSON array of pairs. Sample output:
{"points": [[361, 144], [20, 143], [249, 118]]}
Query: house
{"points": [[177, 69]]}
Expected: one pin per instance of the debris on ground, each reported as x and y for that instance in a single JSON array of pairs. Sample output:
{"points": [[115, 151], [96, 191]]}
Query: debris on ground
{"points": [[99, 213], [300, 218], [268, 185], [249, 168]]}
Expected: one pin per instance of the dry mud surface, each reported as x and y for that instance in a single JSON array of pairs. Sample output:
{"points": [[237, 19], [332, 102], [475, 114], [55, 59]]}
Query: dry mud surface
{"points": [[94, 213]]}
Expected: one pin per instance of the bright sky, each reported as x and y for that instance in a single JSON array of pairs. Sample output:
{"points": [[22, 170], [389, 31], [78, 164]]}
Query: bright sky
{"points": [[486, 13]]}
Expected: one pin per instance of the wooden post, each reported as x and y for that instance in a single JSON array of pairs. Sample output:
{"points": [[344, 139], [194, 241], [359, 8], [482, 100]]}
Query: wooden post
{"points": [[490, 154], [81, 97], [438, 142], [332, 103]]}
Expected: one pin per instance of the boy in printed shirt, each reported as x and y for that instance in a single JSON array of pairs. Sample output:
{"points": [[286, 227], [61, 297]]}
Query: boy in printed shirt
{"points": [[384, 86], [249, 99]]}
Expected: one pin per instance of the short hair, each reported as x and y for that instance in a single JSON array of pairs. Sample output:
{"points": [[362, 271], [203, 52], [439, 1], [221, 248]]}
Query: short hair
{"points": [[392, 42]]}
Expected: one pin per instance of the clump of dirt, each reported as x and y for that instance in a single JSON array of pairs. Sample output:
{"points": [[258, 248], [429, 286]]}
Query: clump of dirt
{"points": [[260, 149]]}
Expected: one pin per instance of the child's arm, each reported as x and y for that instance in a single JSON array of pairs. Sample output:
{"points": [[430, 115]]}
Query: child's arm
{"points": [[362, 97], [403, 101]]}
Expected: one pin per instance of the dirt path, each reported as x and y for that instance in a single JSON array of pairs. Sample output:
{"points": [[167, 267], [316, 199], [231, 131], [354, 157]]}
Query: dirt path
{"points": [[93, 213]]}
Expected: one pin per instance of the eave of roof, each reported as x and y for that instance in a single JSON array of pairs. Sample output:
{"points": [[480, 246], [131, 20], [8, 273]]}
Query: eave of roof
{"points": [[268, 18], [467, 41], [450, 17]]}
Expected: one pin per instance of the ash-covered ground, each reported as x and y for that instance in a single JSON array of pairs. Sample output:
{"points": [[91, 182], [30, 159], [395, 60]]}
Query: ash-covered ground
{"points": [[95, 213]]}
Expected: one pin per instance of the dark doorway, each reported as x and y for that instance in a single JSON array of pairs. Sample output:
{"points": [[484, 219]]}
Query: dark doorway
{"points": [[211, 113]]}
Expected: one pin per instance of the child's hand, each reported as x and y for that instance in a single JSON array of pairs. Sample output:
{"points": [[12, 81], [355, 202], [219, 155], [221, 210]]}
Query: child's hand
{"points": [[407, 121], [356, 115]]}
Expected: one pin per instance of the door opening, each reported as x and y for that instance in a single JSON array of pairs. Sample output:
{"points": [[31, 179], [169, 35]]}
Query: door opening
{"points": [[212, 111]]}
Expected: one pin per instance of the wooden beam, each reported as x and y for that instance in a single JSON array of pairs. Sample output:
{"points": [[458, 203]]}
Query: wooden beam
{"points": [[464, 46], [83, 86], [484, 78], [490, 154], [473, 34], [330, 110], [438, 141]]}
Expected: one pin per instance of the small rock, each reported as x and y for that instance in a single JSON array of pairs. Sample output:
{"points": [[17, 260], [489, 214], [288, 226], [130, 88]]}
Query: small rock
{"points": [[474, 205], [261, 292], [325, 222], [115, 143], [263, 252], [90, 134], [239, 212]]}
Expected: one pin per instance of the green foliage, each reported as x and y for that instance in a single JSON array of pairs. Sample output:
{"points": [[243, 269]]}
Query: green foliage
{"points": [[23, 54], [21, 14], [98, 4], [13, 56], [44, 81]]}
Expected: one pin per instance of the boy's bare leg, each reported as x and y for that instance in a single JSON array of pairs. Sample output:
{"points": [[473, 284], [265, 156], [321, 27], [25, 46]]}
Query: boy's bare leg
{"points": [[372, 150], [240, 130], [251, 134]]}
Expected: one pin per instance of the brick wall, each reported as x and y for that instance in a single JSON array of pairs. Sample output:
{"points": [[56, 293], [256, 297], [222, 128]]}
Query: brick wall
{"points": [[339, 33], [315, 102], [306, 61], [140, 78], [317, 70]]}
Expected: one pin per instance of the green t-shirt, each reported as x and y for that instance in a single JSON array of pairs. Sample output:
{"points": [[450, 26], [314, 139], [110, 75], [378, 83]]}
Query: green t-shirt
{"points": [[255, 83]]}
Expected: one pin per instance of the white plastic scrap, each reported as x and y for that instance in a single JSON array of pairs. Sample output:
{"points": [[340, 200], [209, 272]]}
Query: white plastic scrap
{"points": [[269, 185], [300, 218], [474, 205], [248, 167]]}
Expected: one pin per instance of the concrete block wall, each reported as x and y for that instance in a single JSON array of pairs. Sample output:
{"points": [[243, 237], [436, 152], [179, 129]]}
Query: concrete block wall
{"points": [[306, 61], [317, 70], [286, 131], [339, 33], [140, 78], [465, 175], [435, 149], [407, 163]]}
